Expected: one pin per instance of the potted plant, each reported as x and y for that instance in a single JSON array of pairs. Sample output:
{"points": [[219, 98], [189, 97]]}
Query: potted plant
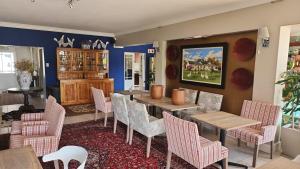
{"points": [[290, 135], [24, 69]]}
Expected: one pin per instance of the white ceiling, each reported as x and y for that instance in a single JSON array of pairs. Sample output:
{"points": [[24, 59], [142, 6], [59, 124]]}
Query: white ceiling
{"points": [[114, 16]]}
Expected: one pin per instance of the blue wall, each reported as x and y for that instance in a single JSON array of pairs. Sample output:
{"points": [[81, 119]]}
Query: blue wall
{"points": [[27, 37]]}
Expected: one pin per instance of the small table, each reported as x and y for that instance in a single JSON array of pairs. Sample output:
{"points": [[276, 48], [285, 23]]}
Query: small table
{"points": [[280, 163], [26, 107], [24, 158], [225, 122], [165, 103], [132, 92]]}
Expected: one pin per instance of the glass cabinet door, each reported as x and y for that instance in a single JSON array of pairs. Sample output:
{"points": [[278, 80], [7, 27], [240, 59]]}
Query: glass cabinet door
{"points": [[64, 61]]}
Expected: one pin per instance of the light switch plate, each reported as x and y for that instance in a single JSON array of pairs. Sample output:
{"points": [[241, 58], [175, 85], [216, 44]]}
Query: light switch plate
{"points": [[47, 64]]}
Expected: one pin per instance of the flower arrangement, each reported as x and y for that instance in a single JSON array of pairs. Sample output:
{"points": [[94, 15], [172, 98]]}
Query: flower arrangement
{"points": [[24, 65]]}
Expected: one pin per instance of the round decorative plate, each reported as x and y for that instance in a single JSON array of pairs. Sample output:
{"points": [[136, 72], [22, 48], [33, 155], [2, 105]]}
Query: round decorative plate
{"points": [[172, 53], [171, 71], [244, 49], [242, 78]]}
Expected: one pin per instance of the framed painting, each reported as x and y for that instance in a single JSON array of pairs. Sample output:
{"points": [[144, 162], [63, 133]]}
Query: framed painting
{"points": [[204, 64]]}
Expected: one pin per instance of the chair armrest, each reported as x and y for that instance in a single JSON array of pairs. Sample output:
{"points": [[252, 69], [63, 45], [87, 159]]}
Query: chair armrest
{"points": [[156, 127], [34, 130], [30, 123], [42, 144], [32, 116], [268, 132], [211, 152]]}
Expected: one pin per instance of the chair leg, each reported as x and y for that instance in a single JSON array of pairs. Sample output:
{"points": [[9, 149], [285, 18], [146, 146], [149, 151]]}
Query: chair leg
{"points": [[255, 155], [239, 142], [148, 147], [115, 125], [96, 114], [105, 119], [130, 136], [169, 156], [225, 163], [127, 134], [271, 149], [56, 164]]}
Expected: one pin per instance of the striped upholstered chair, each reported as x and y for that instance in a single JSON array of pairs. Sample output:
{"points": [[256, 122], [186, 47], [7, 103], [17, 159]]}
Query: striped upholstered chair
{"points": [[102, 103], [185, 142], [44, 139], [34, 118], [120, 112], [259, 134]]}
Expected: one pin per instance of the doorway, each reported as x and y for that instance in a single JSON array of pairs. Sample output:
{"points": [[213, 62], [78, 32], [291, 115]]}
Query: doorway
{"points": [[134, 70]]}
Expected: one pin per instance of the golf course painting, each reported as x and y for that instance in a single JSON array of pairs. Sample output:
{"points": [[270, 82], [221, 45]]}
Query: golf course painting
{"points": [[204, 64]]}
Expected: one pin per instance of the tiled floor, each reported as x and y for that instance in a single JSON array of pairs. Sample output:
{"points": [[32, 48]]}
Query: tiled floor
{"points": [[241, 154]]}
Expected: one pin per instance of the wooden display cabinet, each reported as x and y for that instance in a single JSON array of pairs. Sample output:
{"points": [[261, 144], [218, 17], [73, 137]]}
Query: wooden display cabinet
{"points": [[78, 70]]}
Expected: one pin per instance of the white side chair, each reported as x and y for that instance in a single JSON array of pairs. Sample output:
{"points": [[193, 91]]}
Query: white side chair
{"points": [[66, 154]]}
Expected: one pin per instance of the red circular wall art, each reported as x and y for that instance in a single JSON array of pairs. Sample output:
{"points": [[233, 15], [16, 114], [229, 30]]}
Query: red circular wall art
{"points": [[172, 53], [171, 71], [242, 78], [244, 49]]}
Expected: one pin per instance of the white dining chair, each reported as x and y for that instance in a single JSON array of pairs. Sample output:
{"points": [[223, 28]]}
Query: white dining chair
{"points": [[66, 154], [297, 159]]}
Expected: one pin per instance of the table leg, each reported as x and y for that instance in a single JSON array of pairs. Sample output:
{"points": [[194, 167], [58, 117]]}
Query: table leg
{"points": [[26, 102], [26, 107], [131, 97], [222, 140]]}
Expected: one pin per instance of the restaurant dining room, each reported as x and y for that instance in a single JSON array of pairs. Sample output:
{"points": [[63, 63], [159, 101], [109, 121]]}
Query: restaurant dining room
{"points": [[97, 84]]}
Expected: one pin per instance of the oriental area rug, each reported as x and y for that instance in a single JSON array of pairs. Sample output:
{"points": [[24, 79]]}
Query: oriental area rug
{"points": [[109, 151]]}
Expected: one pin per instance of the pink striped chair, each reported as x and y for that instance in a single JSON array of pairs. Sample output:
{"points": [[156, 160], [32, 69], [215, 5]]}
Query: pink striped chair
{"points": [[259, 134], [185, 142], [34, 118], [102, 103], [44, 139]]}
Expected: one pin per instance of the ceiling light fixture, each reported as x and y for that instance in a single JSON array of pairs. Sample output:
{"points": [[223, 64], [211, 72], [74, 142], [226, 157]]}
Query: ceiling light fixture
{"points": [[70, 3]]}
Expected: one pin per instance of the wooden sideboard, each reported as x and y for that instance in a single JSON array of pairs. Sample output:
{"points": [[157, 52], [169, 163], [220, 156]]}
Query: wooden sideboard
{"points": [[78, 91]]}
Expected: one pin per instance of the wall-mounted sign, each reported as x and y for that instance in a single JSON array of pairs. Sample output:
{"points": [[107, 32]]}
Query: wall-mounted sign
{"points": [[151, 51]]}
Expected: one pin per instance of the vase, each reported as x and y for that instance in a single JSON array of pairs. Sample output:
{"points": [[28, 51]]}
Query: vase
{"points": [[178, 97], [24, 79], [157, 91]]}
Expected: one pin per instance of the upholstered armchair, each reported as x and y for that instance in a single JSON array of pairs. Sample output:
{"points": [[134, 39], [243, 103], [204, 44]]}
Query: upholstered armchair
{"points": [[34, 118], [44, 139], [207, 102], [185, 142], [120, 112], [140, 121], [259, 134], [102, 103]]}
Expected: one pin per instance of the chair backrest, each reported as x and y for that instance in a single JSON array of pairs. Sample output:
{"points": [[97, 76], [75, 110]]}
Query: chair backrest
{"points": [[48, 107], [120, 108], [99, 99], [138, 116], [190, 95], [264, 112], [209, 101], [183, 138], [68, 153], [56, 120]]}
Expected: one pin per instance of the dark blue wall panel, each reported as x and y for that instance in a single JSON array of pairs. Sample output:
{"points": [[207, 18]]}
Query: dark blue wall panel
{"points": [[27, 37]]}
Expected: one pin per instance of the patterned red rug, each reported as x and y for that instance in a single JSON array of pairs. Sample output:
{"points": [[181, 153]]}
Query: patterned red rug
{"points": [[108, 150]]}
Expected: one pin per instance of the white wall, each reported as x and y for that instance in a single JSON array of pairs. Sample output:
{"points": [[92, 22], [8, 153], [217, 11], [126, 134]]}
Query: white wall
{"points": [[271, 15]]}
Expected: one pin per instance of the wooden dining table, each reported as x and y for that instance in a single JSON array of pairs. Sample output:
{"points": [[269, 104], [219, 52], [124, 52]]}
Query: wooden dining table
{"points": [[165, 103], [280, 163], [131, 93], [19, 158], [225, 122]]}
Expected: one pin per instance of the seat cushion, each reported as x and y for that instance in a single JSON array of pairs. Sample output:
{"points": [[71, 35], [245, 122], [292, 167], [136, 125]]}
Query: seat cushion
{"points": [[248, 135], [16, 141], [16, 127]]}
